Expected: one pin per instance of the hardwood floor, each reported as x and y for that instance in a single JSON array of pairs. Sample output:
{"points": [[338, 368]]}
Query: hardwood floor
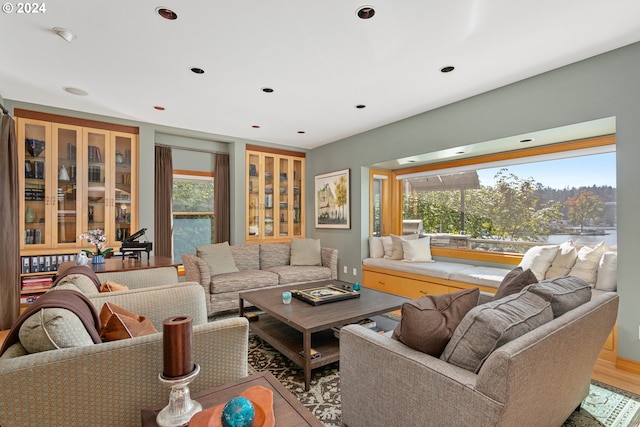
{"points": [[604, 371]]}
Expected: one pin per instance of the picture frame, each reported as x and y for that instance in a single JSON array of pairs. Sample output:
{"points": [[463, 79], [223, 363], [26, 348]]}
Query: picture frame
{"points": [[324, 294], [332, 200]]}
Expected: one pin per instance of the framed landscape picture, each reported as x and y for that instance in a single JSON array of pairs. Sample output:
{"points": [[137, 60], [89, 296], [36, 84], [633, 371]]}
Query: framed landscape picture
{"points": [[332, 200]]}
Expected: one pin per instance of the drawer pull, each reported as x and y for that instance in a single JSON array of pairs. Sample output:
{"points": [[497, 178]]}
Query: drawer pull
{"points": [[381, 283], [424, 293]]}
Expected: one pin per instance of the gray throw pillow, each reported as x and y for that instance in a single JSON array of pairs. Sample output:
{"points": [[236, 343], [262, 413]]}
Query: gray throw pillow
{"points": [[492, 325], [428, 323], [219, 258], [564, 293], [306, 252], [514, 282]]}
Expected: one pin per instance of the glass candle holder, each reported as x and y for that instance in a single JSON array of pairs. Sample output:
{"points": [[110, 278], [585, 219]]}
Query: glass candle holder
{"points": [[286, 297]]}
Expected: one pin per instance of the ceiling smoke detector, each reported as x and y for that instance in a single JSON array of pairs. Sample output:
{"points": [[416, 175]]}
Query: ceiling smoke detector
{"points": [[65, 34]]}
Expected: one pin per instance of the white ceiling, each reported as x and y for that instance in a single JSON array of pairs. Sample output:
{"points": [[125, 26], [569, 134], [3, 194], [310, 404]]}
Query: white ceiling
{"points": [[319, 57]]}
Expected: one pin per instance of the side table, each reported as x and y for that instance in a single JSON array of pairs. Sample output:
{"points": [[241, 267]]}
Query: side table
{"points": [[289, 412]]}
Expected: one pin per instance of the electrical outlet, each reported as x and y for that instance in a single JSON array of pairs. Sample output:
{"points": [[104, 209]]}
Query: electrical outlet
{"points": [[345, 269], [355, 271]]}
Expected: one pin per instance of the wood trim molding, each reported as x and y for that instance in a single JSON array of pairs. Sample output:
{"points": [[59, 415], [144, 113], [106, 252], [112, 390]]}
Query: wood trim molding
{"points": [[56, 118], [272, 150], [469, 254], [192, 173], [628, 365]]}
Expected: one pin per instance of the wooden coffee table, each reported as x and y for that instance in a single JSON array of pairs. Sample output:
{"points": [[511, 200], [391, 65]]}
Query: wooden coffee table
{"points": [[300, 326], [288, 411]]}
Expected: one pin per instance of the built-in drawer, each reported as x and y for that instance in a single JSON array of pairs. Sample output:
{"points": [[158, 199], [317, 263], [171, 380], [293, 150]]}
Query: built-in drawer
{"points": [[383, 282], [417, 288]]}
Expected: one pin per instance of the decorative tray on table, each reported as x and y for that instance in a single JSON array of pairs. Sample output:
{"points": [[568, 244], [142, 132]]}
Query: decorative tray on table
{"points": [[324, 294]]}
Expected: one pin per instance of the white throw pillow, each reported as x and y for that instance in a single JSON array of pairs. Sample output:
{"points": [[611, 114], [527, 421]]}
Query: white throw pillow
{"points": [[376, 250], [587, 262], [396, 247], [564, 260], [538, 259], [387, 246], [417, 250], [608, 272]]}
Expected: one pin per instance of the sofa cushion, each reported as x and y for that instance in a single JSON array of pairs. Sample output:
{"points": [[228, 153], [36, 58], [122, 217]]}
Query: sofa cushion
{"points": [[294, 274], [243, 280], [564, 260], [53, 328], [306, 252], [607, 272], [247, 257], [564, 293], [587, 262], [118, 323], [219, 258], [514, 282], [376, 250], [539, 259], [273, 254], [491, 325], [416, 250], [427, 323]]}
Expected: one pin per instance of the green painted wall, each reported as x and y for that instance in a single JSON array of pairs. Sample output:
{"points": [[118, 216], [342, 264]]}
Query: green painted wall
{"points": [[602, 86]]}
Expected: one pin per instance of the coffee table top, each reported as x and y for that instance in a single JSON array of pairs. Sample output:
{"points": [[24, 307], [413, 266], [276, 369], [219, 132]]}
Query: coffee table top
{"points": [[287, 409], [307, 317]]}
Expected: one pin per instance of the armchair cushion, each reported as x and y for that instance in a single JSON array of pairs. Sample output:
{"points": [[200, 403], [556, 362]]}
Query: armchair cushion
{"points": [[427, 323], [491, 325]]}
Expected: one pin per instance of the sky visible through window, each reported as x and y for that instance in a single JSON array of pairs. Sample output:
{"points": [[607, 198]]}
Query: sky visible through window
{"points": [[599, 169]]}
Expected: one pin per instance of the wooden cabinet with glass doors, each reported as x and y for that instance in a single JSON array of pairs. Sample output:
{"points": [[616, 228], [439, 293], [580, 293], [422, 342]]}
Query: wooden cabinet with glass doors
{"points": [[274, 195], [75, 179]]}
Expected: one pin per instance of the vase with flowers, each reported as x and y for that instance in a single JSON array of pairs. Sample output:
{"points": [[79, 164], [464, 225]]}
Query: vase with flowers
{"points": [[97, 238]]}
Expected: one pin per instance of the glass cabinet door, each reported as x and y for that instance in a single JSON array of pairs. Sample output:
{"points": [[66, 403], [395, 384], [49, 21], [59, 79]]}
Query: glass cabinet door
{"points": [[66, 172], [297, 214], [36, 150], [98, 198], [283, 197], [269, 209], [123, 198], [253, 195]]}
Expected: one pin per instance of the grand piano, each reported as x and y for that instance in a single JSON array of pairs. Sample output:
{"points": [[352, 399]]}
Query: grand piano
{"points": [[133, 248]]}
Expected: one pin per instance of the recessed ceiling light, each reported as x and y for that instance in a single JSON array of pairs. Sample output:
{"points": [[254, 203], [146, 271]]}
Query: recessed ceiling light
{"points": [[256, 126], [197, 70], [75, 91], [361, 106], [159, 107], [447, 69], [65, 34], [167, 13], [526, 140], [267, 90], [365, 12]]}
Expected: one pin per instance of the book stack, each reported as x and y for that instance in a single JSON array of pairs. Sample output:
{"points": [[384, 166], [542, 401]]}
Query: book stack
{"points": [[367, 323], [32, 284]]}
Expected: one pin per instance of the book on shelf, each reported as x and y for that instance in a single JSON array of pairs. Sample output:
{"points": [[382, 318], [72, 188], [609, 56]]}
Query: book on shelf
{"points": [[28, 299], [314, 354]]}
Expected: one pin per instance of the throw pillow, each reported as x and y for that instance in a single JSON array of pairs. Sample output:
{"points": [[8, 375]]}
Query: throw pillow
{"points": [[428, 323], [492, 325], [417, 250], [564, 293], [587, 262], [110, 286], [219, 258], [306, 252], [539, 259], [387, 246], [396, 248], [564, 260], [607, 272], [376, 250], [118, 323], [51, 329], [514, 282]]}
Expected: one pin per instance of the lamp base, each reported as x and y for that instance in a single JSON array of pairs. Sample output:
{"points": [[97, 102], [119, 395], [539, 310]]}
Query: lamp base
{"points": [[181, 407]]}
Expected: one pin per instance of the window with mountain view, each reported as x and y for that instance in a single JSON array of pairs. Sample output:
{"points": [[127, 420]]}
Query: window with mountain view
{"points": [[510, 207]]}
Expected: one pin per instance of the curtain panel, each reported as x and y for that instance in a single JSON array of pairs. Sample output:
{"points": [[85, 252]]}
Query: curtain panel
{"points": [[222, 200], [10, 265], [163, 190]]}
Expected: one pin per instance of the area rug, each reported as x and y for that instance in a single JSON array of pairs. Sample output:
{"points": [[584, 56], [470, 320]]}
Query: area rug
{"points": [[605, 406]]}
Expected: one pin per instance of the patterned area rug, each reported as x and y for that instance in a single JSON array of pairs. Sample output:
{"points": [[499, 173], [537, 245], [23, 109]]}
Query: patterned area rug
{"points": [[605, 405]]}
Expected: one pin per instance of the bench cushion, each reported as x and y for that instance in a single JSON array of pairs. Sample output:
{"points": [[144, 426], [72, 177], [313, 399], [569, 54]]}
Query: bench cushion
{"points": [[481, 276]]}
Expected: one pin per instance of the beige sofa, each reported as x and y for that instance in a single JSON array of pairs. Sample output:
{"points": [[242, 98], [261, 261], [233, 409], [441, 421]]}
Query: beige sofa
{"points": [[537, 379], [108, 384], [258, 266]]}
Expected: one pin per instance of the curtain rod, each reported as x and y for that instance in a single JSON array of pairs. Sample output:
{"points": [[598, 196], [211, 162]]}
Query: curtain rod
{"points": [[178, 147], [4, 110]]}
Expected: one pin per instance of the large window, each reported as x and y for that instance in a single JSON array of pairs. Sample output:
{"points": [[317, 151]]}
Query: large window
{"points": [[193, 211], [510, 205]]}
